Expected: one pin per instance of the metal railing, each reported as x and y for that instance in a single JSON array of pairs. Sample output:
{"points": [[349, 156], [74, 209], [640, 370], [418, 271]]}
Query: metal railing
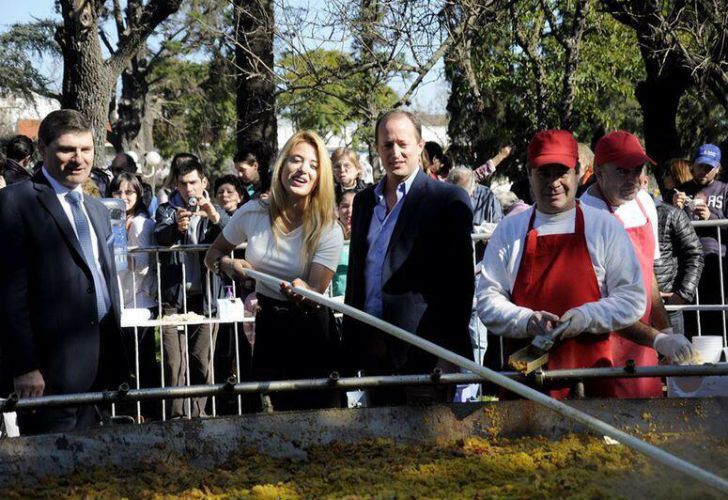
{"points": [[185, 322], [501, 380], [208, 318]]}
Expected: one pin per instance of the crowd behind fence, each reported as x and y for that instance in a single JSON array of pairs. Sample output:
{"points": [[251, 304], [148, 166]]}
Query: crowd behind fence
{"points": [[133, 319]]}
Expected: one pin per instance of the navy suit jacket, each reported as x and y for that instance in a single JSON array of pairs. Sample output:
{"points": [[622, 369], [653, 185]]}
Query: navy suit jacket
{"points": [[427, 281], [48, 318]]}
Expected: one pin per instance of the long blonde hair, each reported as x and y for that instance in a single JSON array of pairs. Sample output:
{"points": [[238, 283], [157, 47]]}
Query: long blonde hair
{"points": [[319, 212]]}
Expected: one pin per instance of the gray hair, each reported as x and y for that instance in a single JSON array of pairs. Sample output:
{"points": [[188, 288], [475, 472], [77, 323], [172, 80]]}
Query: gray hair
{"points": [[507, 199], [462, 176]]}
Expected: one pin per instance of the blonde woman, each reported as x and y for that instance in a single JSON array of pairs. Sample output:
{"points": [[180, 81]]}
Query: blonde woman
{"points": [[292, 235]]}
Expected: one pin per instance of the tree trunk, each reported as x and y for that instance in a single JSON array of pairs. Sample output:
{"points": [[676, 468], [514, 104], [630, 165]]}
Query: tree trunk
{"points": [[132, 108], [87, 84], [659, 99], [659, 96], [89, 81], [257, 126]]}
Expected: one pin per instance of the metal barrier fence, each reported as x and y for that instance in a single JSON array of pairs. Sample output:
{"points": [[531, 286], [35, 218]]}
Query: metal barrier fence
{"points": [[592, 423], [185, 321]]}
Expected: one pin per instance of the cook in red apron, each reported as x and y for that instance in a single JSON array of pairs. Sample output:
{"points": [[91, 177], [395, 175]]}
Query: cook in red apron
{"points": [[556, 274], [643, 241]]}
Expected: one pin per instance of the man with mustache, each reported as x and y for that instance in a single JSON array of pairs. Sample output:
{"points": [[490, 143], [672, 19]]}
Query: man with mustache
{"points": [[619, 161], [560, 262]]}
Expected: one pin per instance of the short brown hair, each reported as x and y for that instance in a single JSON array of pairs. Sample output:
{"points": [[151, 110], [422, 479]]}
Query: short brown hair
{"points": [[397, 112], [679, 170], [62, 121]]}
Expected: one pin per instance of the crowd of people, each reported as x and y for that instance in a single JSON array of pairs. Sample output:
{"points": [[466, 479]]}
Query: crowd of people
{"points": [[581, 243]]}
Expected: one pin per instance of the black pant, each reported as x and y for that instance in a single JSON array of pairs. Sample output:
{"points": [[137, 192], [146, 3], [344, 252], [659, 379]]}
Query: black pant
{"points": [[294, 343], [58, 420], [176, 344], [112, 370], [144, 347], [711, 322], [226, 366]]}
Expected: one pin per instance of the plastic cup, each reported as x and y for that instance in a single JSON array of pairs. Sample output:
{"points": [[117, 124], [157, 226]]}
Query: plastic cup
{"points": [[708, 341], [708, 347]]}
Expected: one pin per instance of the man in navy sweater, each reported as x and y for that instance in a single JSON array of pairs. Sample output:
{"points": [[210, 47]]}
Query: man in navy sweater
{"points": [[704, 198]]}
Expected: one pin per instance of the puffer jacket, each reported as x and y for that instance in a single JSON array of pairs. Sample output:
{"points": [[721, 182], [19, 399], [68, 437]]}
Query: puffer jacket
{"points": [[681, 255], [166, 234]]}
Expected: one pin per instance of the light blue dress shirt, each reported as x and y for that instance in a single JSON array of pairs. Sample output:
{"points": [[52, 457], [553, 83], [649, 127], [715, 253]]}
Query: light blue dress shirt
{"points": [[380, 232]]}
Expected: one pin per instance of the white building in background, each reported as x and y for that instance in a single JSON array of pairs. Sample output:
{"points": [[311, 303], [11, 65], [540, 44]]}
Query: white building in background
{"points": [[23, 116], [434, 128]]}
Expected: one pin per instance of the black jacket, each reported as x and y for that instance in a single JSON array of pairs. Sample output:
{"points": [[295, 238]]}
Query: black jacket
{"points": [[358, 187], [48, 318], [13, 172], [681, 255], [166, 234], [427, 278]]}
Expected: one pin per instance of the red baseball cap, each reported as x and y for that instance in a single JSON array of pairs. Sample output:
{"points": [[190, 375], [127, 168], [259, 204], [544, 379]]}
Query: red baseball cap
{"points": [[621, 148], [553, 146]]}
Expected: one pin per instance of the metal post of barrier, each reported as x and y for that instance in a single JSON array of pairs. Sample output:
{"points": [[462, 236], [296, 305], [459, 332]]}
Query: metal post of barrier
{"points": [[211, 366], [186, 361], [136, 334], [160, 314], [697, 310], [236, 333], [513, 386], [720, 275]]}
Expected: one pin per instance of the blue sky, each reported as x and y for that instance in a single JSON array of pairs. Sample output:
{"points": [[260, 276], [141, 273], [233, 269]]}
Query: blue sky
{"points": [[430, 97], [20, 11]]}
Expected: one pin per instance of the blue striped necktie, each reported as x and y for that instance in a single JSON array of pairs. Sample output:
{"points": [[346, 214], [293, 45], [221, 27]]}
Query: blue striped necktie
{"points": [[84, 238]]}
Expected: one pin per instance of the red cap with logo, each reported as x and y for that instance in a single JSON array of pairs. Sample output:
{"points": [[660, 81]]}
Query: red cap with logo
{"points": [[622, 149], [550, 147]]}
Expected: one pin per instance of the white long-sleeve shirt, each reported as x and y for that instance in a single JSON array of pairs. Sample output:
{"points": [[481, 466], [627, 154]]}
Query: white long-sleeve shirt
{"points": [[613, 258], [629, 213]]}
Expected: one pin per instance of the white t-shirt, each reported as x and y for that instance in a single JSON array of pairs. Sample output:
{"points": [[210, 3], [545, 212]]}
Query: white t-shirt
{"points": [[281, 258], [629, 213], [613, 259]]}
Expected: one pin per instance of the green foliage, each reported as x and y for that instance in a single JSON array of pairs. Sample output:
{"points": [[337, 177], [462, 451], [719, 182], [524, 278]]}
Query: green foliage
{"points": [[609, 66], [324, 91], [197, 109], [701, 119], [19, 45]]}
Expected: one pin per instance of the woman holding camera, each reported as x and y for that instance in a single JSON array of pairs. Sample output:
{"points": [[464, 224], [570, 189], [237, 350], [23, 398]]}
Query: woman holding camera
{"points": [[292, 235]]}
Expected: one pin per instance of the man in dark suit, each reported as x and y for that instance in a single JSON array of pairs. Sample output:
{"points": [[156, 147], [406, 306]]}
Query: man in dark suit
{"points": [[60, 304], [411, 264]]}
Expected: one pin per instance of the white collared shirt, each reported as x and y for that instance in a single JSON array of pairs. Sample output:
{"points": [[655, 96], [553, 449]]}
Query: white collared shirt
{"points": [[61, 192]]}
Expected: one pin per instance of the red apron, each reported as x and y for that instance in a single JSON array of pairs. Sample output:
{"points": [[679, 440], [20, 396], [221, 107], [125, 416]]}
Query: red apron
{"points": [[556, 274], [643, 241]]}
